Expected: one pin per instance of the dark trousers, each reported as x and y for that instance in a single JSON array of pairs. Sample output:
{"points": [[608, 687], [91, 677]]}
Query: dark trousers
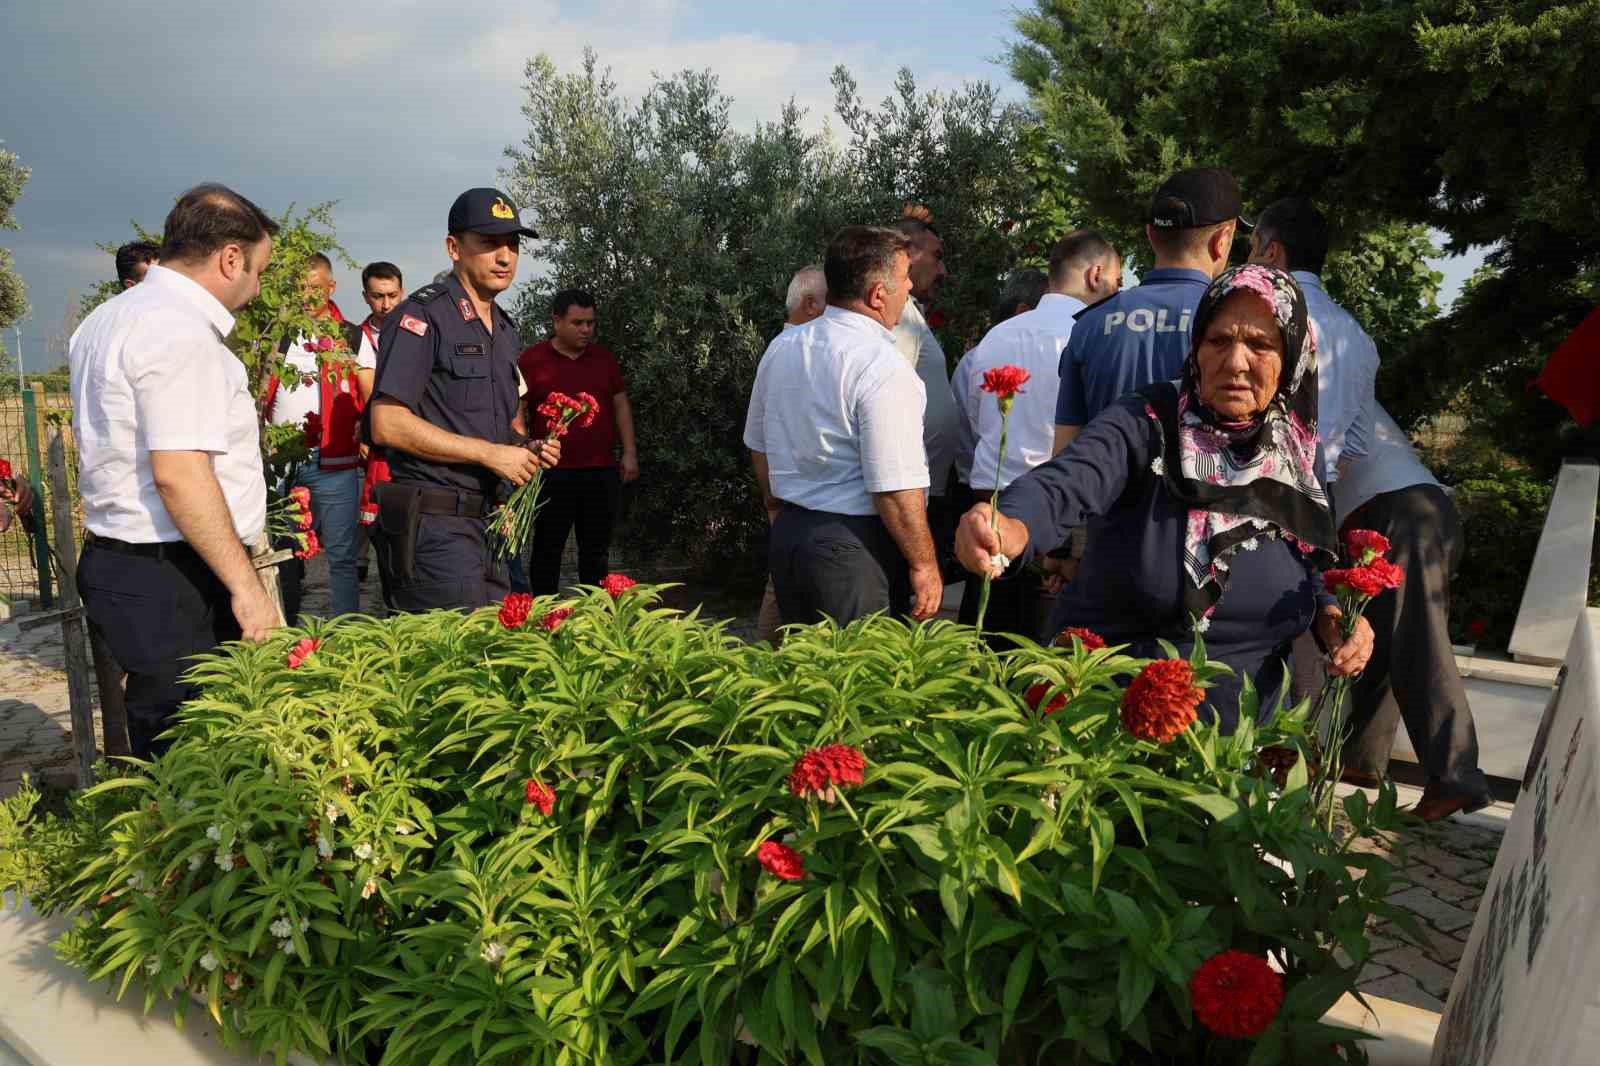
{"points": [[454, 568], [836, 565], [585, 499], [1013, 608], [1412, 675], [153, 613]]}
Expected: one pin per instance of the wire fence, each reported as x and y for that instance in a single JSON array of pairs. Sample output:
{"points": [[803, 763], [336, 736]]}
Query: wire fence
{"points": [[19, 573]]}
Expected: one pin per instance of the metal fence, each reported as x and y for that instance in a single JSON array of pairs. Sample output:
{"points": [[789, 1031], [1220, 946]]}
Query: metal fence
{"points": [[27, 566]]}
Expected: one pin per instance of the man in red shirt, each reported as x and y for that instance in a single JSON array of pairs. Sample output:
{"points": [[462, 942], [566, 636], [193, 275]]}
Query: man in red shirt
{"points": [[582, 489]]}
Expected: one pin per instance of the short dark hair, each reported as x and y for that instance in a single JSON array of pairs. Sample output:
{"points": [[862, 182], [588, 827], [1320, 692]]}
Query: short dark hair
{"points": [[381, 269], [1188, 241], [1024, 288], [1081, 247], [915, 228], [1295, 223], [858, 257], [209, 217], [567, 299], [320, 260], [132, 254]]}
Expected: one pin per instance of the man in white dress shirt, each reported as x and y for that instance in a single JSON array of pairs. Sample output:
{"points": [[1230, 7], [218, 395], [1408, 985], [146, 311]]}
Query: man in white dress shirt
{"points": [[169, 458], [1084, 269], [916, 341], [835, 433], [806, 299], [1379, 483]]}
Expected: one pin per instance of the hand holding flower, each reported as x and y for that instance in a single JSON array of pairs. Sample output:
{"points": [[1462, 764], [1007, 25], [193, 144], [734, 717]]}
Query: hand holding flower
{"points": [[1347, 657]]}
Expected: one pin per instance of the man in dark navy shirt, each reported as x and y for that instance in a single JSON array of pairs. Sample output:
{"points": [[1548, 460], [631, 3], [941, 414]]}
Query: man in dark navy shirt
{"points": [[447, 405], [1141, 335]]}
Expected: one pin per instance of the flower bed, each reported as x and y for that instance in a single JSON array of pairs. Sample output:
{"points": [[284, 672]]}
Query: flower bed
{"points": [[616, 835]]}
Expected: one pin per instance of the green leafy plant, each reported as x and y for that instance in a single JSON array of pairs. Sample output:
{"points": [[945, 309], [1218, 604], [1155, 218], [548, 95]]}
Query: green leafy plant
{"points": [[601, 831]]}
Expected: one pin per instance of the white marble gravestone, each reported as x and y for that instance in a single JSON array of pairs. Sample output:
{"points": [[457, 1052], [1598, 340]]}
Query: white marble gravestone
{"points": [[1527, 989]]}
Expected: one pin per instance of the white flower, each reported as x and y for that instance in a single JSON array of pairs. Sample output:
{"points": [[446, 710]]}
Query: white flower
{"points": [[324, 846], [1250, 545], [209, 961], [287, 947], [344, 764], [369, 888], [225, 859], [331, 812], [1158, 466], [1202, 624], [137, 880], [402, 830], [214, 833], [280, 928], [152, 965], [363, 851], [186, 805], [493, 952], [196, 861]]}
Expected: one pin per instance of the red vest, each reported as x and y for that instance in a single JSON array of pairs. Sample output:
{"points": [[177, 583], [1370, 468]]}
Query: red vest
{"points": [[341, 412]]}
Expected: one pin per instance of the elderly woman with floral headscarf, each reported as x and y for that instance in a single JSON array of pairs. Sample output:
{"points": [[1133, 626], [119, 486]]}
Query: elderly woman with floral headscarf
{"points": [[1204, 500]]}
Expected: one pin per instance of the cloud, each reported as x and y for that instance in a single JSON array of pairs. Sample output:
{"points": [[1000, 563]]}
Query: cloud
{"points": [[389, 108]]}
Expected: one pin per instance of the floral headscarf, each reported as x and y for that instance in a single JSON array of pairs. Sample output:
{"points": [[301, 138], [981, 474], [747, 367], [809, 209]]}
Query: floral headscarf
{"points": [[1244, 484]]}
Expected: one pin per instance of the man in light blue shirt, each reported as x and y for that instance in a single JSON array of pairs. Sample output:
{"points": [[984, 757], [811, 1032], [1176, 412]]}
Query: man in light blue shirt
{"points": [[1379, 484], [1292, 235], [834, 430]]}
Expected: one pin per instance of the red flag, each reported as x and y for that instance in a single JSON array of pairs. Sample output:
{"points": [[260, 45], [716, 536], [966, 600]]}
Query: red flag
{"points": [[1571, 376]]}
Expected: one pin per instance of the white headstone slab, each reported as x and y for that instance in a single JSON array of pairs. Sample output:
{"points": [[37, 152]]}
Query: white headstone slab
{"points": [[1558, 583], [1529, 980]]}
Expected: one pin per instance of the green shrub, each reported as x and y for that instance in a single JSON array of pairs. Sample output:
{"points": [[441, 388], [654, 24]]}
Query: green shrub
{"points": [[345, 853]]}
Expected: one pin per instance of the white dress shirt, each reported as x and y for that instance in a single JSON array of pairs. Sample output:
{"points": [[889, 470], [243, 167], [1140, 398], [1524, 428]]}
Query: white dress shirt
{"points": [[296, 399], [940, 418], [838, 414], [1347, 370], [1034, 341], [966, 433], [1390, 464], [150, 373]]}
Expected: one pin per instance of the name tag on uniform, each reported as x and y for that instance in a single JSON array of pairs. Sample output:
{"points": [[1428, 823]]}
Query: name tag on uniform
{"points": [[469, 349]]}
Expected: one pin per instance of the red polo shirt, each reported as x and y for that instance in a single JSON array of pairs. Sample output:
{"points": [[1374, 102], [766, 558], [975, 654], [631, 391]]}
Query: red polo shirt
{"points": [[596, 372]]}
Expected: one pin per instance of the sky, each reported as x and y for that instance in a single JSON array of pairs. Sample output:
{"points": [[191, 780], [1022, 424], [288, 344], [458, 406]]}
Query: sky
{"points": [[388, 108]]}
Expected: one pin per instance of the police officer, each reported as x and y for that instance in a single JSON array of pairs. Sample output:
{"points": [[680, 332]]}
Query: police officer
{"points": [[1141, 335], [447, 407]]}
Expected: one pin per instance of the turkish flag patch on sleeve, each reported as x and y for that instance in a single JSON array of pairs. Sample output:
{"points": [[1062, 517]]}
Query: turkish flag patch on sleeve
{"points": [[414, 324]]}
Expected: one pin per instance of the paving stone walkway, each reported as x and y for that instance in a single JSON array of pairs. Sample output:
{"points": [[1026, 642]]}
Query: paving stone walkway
{"points": [[1448, 864]]}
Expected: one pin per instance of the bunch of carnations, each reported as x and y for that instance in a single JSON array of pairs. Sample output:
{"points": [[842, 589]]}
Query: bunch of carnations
{"points": [[333, 356], [1004, 382], [290, 518], [6, 475], [511, 525], [1368, 575]]}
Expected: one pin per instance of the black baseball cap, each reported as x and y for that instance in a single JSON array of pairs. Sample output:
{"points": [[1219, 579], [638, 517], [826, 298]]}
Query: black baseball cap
{"points": [[1202, 196], [487, 211]]}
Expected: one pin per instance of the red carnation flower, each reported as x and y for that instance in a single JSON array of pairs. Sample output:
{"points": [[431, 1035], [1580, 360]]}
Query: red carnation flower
{"points": [[541, 796], [1038, 692], [1389, 575], [5, 470], [590, 409], [1361, 541], [1478, 629], [310, 546], [1004, 381], [324, 344], [617, 584], [1161, 701], [514, 609], [554, 617], [781, 861], [817, 771], [1236, 994], [303, 519], [1092, 641], [302, 651], [302, 494], [313, 431]]}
